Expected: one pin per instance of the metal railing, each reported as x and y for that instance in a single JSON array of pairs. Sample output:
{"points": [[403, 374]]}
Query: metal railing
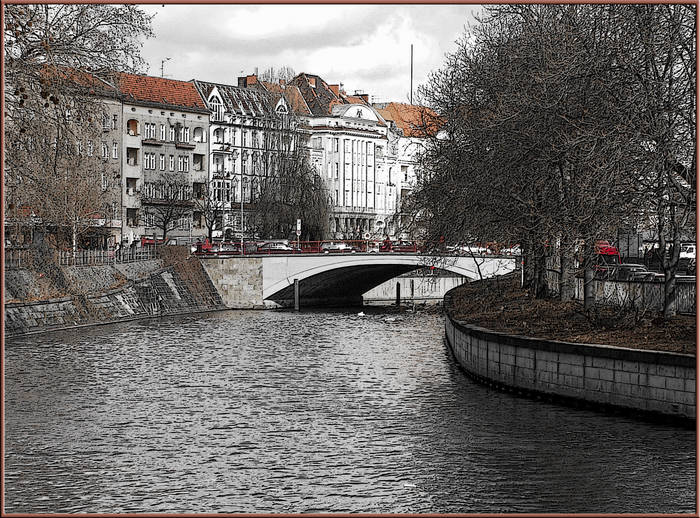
{"points": [[21, 258]]}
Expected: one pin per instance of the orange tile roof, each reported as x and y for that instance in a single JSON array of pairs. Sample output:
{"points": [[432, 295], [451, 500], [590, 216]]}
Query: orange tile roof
{"points": [[414, 121], [161, 91]]}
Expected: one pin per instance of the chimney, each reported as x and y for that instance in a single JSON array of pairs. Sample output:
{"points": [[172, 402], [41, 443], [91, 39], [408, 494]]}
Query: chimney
{"points": [[312, 82], [335, 89]]}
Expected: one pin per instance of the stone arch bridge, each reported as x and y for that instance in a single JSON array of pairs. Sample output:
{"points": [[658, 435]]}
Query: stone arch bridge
{"points": [[267, 281]]}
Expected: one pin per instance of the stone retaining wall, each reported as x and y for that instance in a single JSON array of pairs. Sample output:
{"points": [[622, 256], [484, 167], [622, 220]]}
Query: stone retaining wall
{"points": [[161, 293], [652, 382]]}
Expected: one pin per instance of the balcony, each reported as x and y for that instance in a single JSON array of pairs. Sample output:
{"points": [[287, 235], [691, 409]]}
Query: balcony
{"points": [[152, 142], [222, 147], [185, 145]]}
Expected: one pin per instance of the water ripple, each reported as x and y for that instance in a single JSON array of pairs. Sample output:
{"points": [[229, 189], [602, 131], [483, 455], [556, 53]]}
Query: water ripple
{"points": [[318, 412]]}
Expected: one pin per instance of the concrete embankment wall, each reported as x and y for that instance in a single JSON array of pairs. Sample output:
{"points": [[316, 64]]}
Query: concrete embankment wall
{"points": [[652, 382], [414, 289], [143, 293]]}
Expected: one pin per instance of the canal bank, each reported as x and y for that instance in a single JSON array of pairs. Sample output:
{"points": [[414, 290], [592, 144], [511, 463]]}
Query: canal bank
{"points": [[80, 296], [653, 383]]}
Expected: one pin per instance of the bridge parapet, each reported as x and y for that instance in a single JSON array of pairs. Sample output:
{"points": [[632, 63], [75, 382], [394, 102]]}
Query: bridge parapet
{"points": [[337, 279]]}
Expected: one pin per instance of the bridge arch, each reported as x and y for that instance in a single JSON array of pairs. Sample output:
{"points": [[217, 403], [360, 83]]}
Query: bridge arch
{"points": [[342, 279]]}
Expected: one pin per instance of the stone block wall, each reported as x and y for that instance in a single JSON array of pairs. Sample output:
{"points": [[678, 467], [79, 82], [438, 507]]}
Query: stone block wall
{"points": [[161, 293], [239, 283], [647, 381]]}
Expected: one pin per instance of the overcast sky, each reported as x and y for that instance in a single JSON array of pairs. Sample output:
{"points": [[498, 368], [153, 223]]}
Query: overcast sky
{"points": [[365, 47]]}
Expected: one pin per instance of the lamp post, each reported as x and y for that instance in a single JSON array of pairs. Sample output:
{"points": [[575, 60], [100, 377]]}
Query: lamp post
{"points": [[242, 249]]}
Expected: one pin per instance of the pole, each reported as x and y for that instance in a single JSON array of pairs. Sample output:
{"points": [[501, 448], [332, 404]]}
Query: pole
{"points": [[241, 189], [296, 294], [398, 294], [411, 73]]}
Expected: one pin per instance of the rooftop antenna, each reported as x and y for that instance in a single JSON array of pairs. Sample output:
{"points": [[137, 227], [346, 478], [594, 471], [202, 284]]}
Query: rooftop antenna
{"points": [[162, 63], [411, 95]]}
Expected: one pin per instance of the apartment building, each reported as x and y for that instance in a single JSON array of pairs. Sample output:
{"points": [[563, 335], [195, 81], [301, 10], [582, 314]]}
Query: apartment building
{"points": [[165, 133], [348, 146], [250, 123]]}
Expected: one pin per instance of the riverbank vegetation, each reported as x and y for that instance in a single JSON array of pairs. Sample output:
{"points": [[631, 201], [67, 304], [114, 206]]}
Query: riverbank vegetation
{"points": [[561, 125], [500, 305]]}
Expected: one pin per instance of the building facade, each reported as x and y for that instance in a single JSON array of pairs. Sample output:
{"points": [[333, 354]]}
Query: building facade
{"points": [[348, 145], [165, 134]]}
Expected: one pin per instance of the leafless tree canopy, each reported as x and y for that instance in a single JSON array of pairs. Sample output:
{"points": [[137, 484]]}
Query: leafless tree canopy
{"points": [[58, 64], [290, 188], [559, 122]]}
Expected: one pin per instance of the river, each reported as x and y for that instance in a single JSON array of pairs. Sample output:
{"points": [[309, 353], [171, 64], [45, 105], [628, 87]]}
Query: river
{"points": [[323, 411]]}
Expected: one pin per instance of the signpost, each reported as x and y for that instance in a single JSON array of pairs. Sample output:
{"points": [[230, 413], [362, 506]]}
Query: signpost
{"points": [[298, 233]]}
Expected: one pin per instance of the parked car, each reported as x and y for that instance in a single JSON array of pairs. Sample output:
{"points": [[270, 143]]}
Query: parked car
{"points": [[328, 248], [398, 246], [275, 248], [632, 272], [687, 251]]}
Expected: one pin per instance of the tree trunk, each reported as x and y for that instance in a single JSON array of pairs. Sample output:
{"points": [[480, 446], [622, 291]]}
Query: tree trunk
{"points": [[567, 279], [588, 292]]}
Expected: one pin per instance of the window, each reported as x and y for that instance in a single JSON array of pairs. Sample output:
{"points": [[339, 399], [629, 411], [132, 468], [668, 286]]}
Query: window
{"points": [[90, 149], [255, 138], [171, 134], [149, 161], [132, 127], [105, 123], [162, 162], [150, 130], [337, 170], [132, 217], [217, 108], [104, 181], [69, 115], [198, 135], [180, 163], [218, 164], [105, 150], [244, 138], [404, 171], [244, 165], [115, 150], [336, 143], [187, 135], [162, 132], [218, 135], [186, 162], [171, 163], [115, 121]]}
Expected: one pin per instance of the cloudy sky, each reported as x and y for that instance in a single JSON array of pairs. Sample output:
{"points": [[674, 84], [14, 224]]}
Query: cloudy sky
{"points": [[365, 47]]}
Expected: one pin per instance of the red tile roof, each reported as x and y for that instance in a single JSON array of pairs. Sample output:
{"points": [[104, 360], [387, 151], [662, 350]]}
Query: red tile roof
{"points": [[161, 91], [415, 121]]}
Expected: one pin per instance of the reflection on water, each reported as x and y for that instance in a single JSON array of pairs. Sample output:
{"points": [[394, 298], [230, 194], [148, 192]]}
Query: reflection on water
{"points": [[313, 412]]}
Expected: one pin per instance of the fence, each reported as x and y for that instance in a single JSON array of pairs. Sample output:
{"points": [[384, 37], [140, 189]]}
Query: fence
{"points": [[641, 294], [24, 258]]}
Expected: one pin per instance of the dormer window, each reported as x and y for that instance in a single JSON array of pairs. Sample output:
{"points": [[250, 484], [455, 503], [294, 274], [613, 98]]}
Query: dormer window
{"points": [[217, 108]]}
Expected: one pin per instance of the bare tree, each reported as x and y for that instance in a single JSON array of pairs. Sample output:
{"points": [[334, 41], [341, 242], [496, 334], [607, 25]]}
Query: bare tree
{"points": [[166, 200], [541, 143], [660, 61], [287, 187], [272, 75], [58, 65], [211, 205]]}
